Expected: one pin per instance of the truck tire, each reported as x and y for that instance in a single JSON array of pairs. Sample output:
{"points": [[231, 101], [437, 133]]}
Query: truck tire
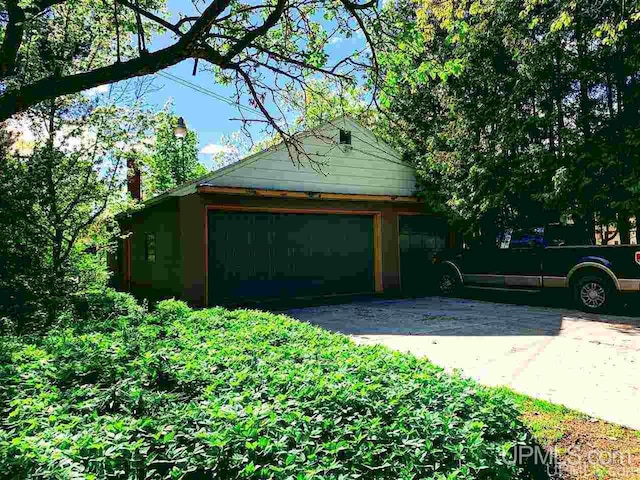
{"points": [[448, 283], [593, 293]]}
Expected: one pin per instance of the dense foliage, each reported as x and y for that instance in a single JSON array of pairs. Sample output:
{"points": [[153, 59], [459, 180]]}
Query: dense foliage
{"points": [[519, 112], [61, 173], [237, 394]]}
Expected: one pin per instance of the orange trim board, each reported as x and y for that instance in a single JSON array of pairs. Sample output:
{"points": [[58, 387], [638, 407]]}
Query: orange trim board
{"points": [[206, 257], [377, 234], [127, 261], [305, 195]]}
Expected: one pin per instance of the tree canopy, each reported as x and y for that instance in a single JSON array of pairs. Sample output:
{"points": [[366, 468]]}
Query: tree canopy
{"points": [[57, 47], [519, 113], [57, 196]]}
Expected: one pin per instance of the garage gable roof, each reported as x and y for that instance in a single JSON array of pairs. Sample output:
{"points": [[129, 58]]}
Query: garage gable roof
{"points": [[367, 166]]}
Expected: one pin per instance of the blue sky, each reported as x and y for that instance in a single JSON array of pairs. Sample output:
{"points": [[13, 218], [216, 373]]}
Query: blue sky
{"points": [[209, 117]]}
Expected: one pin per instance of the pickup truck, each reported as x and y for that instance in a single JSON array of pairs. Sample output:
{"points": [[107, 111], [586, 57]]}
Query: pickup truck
{"points": [[543, 258]]}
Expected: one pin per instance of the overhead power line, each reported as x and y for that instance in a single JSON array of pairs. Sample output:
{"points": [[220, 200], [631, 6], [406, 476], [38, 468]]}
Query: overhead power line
{"points": [[209, 93], [212, 94]]}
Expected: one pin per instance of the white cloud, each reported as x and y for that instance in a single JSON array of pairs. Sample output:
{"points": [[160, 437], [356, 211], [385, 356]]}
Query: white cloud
{"points": [[215, 149], [92, 92], [336, 40], [21, 128], [68, 139]]}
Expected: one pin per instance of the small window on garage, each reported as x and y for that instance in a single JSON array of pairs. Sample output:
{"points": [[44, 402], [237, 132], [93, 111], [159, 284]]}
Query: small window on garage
{"points": [[345, 137], [150, 247]]}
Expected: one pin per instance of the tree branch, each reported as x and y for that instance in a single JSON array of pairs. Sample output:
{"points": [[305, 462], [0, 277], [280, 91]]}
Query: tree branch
{"points": [[359, 6], [353, 10], [299, 63], [154, 18], [12, 40], [16, 101], [290, 142], [117, 23], [240, 11], [191, 43], [251, 35], [142, 47], [331, 71], [202, 25], [185, 20], [42, 5]]}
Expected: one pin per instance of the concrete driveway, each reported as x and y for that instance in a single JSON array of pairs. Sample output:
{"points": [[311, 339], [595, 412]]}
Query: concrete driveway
{"points": [[590, 363]]}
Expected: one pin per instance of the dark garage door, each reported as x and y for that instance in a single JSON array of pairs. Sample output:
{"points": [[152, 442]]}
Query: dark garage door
{"points": [[259, 255], [420, 237]]}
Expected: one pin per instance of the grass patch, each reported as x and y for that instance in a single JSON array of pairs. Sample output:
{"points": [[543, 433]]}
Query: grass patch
{"points": [[585, 448], [547, 421], [240, 394]]}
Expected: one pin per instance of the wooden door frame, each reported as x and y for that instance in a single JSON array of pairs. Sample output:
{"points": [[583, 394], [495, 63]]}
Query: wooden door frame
{"points": [[126, 247], [377, 234]]}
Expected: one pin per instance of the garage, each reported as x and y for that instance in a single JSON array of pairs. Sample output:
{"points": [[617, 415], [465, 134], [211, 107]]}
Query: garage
{"points": [[285, 254], [343, 218], [420, 237]]}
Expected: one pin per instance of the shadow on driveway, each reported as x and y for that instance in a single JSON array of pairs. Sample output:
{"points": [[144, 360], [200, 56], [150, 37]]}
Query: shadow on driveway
{"points": [[451, 317]]}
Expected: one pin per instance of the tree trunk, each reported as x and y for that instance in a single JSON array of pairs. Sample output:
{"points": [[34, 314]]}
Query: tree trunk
{"points": [[584, 116], [608, 236], [587, 224], [558, 102], [590, 226], [620, 76], [612, 112], [584, 123], [52, 303], [624, 228]]}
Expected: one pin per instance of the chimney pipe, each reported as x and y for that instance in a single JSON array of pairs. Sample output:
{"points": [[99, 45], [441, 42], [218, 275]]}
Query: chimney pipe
{"points": [[134, 179]]}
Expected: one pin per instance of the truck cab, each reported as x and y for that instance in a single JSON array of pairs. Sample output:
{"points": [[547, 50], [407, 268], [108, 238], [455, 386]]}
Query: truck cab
{"points": [[550, 256]]}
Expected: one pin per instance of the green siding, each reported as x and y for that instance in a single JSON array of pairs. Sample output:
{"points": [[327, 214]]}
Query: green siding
{"points": [[369, 166], [161, 278], [259, 255]]}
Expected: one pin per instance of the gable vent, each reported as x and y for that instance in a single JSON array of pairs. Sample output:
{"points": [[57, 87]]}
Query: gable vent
{"points": [[345, 137]]}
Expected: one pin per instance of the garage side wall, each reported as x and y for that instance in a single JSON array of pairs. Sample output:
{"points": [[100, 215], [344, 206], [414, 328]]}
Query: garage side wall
{"points": [[192, 231], [154, 274]]}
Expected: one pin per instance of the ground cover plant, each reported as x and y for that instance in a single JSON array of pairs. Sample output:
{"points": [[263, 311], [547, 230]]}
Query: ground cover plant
{"points": [[238, 394]]}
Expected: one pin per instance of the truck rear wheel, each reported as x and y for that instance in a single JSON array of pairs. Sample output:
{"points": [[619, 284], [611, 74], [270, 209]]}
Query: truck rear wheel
{"points": [[593, 293]]}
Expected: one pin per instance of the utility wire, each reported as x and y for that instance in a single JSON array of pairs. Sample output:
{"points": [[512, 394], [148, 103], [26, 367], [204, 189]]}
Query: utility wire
{"points": [[205, 91]]}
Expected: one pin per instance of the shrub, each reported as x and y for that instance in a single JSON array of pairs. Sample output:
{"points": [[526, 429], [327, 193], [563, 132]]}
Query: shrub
{"points": [[168, 310], [103, 309], [241, 394]]}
